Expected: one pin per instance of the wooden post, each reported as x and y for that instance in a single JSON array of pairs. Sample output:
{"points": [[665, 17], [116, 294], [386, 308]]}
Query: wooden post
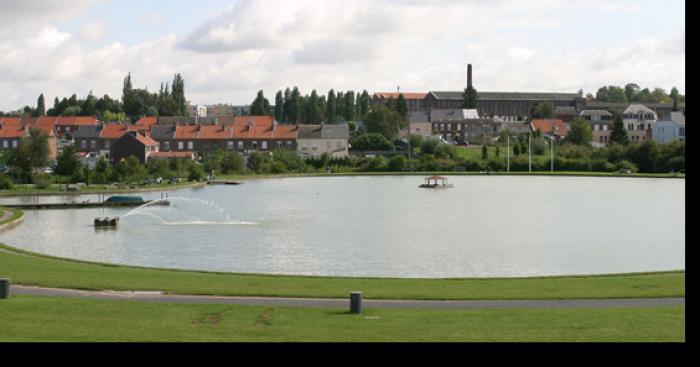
{"points": [[4, 288]]}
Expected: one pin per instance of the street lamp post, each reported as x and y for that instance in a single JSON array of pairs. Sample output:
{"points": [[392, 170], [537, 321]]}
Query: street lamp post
{"points": [[551, 150], [529, 151]]}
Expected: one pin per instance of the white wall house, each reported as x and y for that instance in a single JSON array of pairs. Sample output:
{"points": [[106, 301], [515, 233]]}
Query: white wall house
{"points": [[639, 120], [671, 128]]}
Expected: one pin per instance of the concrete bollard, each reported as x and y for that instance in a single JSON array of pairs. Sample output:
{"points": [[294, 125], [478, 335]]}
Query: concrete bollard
{"points": [[356, 302], [4, 288]]}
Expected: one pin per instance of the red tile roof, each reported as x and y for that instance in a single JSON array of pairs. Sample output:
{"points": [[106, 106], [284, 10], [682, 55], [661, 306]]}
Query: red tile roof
{"points": [[253, 120], [76, 120], [147, 121], [12, 131], [10, 120], [115, 131], [555, 127], [146, 140], [186, 132], [212, 132], [265, 132]]}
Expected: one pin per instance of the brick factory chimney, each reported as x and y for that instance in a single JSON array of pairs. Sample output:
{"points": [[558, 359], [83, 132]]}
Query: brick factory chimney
{"points": [[469, 75]]}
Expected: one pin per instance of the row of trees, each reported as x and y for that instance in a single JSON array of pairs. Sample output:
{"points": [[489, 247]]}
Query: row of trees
{"points": [[293, 108], [135, 103], [632, 92]]}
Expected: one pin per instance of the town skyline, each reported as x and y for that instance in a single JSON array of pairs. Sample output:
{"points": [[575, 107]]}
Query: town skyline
{"points": [[227, 51]]}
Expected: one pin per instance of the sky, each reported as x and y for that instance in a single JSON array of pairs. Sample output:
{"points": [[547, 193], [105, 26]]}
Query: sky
{"points": [[228, 50]]}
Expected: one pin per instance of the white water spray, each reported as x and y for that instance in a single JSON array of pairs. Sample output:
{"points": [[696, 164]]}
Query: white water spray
{"points": [[186, 212]]}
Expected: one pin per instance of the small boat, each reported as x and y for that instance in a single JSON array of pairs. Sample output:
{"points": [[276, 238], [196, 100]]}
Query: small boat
{"points": [[106, 222], [118, 199], [432, 183]]}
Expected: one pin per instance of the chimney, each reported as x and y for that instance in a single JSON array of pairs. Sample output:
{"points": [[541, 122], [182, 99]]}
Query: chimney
{"points": [[469, 75]]}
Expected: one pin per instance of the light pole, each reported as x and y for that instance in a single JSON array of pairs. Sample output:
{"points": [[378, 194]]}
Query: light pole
{"points": [[551, 150], [529, 151]]}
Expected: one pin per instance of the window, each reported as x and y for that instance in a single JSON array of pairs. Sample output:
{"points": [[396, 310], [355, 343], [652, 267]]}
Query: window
{"points": [[93, 144], [264, 145], [5, 144], [255, 145], [279, 145], [190, 145], [166, 145], [240, 145], [605, 127], [230, 145], [83, 144], [180, 145], [289, 145], [107, 142], [681, 131]]}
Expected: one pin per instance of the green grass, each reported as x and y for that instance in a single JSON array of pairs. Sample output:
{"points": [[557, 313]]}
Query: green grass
{"points": [[16, 214], [32, 269], [56, 319], [56, 189]]}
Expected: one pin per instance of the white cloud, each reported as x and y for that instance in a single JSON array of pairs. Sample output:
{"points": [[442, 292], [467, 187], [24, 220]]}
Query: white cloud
{"points": [[94, 30], [350, 44]]}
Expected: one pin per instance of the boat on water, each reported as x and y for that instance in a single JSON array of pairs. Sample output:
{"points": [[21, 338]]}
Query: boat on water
{"points": [[106, 222], [432, 183], [123, 199]]}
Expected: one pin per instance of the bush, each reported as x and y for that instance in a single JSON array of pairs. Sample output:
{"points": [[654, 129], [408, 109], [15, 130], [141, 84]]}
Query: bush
{"points": [[196, 173], [42, 182], [6, 183], [626, 165], [397, 163]]}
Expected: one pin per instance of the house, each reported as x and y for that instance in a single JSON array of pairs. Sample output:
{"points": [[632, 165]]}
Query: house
{"points": [[639, 121], [555, 128], [601, 125], [87, 138], [460, 114], [67, 125], [13, 129], [145, 124], [258, 135], [315, 140], [164, 135], [565, 113], [670, 128], [133, 144]]}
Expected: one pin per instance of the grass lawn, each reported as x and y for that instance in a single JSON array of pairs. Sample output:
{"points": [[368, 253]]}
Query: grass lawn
{"points": [[32, 269], [56, 319]]}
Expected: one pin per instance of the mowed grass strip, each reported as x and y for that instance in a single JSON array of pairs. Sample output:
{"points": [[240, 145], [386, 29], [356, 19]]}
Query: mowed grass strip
{"points": [[32, 269], [56, 319]]}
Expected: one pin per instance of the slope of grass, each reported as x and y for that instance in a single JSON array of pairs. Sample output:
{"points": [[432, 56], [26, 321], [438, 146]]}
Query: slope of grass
{"points": [[33, 269]]}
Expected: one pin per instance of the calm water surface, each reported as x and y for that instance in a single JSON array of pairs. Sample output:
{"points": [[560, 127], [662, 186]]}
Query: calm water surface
{"points": [[385, 226]]}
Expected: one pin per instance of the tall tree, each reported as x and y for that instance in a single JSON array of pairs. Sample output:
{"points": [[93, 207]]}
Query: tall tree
{"points": [[340, 106], [384, 121], [611, 93], [471, 97], [364, 105], [349, 106], [674, 97], [618, 134], [402, 106], [279, 106], [295, 106], [260, 106], [126, 90], [40, 106], [178, 95], [331, 106], [287, 105], [311, 108], [543, 110]]}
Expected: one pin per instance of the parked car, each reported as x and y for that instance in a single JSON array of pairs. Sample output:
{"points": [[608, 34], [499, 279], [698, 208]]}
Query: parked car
{"points": [[174, 180]]}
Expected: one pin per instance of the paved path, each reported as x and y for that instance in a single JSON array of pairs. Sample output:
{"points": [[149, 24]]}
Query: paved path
{"points": [[345, 303]]}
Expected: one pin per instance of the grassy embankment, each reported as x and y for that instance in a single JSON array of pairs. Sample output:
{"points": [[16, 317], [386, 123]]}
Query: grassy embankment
{"points": [[56, 319], [33, 269], [55, 189]]}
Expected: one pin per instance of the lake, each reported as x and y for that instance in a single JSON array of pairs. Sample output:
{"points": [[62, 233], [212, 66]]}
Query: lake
{"points": [[383, 226]]}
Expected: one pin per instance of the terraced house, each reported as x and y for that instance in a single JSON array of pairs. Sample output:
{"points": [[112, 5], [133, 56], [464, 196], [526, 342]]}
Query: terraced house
{"points": [[639, 122], [13, 129]]}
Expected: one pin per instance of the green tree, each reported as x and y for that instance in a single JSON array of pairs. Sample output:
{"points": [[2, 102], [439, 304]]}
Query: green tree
{"points": [[67, 163], [232, 163], [674, 97], [471, 97], [349, 106], [402, 106], [40, 106], [260, 106], [397, 163], [295, 106], [311, 108], [152, 112], [279, 106], [364, 105], [31, 153], [383, 121], [370, 142], [331, 108], [580, 133], [611, 93], [178, 96], [543, 110], [631, 91], [618, 135], [484, 152]]}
